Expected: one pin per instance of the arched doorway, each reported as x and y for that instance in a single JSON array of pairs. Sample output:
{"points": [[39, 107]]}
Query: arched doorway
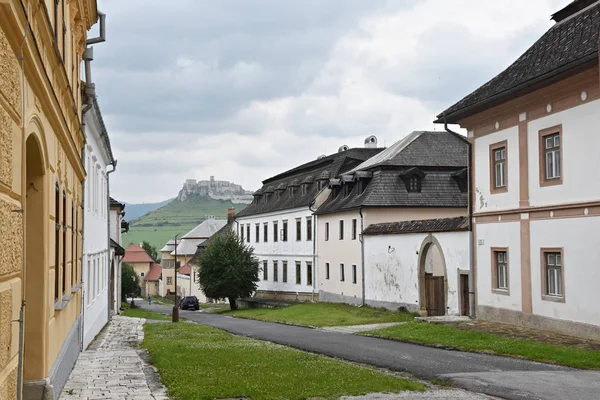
{"points": [[35, 280], [433, 279]]}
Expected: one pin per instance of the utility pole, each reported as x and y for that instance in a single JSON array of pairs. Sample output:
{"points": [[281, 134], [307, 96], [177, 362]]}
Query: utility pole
{"points": [[175, 313]]}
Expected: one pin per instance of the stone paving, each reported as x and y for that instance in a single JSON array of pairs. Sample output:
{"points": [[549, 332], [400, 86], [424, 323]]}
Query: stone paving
{"points": [[115, 366]]}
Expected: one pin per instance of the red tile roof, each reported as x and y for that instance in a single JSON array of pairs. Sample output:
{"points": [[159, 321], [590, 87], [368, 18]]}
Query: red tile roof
{"points": [[134, 253], [154, 273], [185, 270]]}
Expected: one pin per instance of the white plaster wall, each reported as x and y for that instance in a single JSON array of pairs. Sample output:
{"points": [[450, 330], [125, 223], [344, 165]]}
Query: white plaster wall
{"points": [[291, 251], [580, 241], [115, 234], [580, 143], [95, 274], [504, 234], [485, 201], [392, 267], [189, 287]]}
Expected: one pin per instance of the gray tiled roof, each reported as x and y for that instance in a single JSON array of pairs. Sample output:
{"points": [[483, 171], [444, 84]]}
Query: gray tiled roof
{"points": [[425, 225], [331, 165], [221, 232], [571, 43]]}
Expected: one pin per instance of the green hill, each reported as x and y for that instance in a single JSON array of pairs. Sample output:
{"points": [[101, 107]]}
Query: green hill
{"points": [[160, 225]]}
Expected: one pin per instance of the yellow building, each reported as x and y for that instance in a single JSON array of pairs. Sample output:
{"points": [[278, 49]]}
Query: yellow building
{"points": [[41, 175], [142, 264]]}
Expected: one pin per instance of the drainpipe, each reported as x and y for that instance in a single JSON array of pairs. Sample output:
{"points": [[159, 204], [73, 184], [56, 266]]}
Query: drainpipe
{"points": [[102, 37], [362, 255], [470, 216], [314, 252], [110, 282]]}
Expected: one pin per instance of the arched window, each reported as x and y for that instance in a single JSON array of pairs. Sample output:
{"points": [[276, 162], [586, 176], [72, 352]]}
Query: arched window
{"points": [[56, 240]]}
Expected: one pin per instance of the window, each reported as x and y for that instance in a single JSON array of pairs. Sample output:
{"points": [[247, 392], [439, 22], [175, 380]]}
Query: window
{"points": [[326, 270], [552, 274], [242, 232], [326, 230], [342, 277], [56, 3], [248, 233], [284, 232], [284, 274], [169, 280], [298, 229], [551, 156], [64, 243], [291, 191], [275, 231], [257, 233], [265, 270], [303, 189], [308, 228], [298, 273], [73, 247], [500, 270], [413, 184], [275, 271], [353, 273], [309, 273], [88, 285], [142, 274], [342, 229], [354, 229], [498, 167], [265, 232]]}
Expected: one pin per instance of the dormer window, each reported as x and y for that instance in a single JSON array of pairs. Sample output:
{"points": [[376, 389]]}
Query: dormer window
{"points": [[292, 191], [460, 177], [304, 188], [412, 179]]}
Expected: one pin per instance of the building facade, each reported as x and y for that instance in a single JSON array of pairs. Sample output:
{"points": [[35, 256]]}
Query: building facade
{"points": [[117, 226], [96, 244], [41, 176], [141, 262], [536, 198], [421, 177], [280, 225]]}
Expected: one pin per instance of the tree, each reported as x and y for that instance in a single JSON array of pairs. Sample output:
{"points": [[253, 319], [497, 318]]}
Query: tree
{"points": [[130, 282], [228, 269], [151, 251]]}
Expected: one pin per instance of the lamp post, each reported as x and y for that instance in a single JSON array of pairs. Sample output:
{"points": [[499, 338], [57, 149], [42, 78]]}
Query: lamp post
{"points": [[175, 313]]}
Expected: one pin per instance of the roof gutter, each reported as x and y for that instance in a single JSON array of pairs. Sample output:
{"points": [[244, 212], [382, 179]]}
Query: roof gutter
{"points": [[524, 88], [469, 215]]}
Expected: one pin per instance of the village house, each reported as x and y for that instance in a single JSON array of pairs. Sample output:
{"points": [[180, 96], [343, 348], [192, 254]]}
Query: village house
{"points": [[536, 195], [118, 226], [96, 244], [279, 223], [41, 192], [142, 264], [421, 177]]}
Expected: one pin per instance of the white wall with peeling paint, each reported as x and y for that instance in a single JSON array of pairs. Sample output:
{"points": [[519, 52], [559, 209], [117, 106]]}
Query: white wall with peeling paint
{"points": [[392, 268]]}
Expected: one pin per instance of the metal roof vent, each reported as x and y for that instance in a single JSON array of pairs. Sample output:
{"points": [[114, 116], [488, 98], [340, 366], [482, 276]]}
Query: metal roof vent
{"points": [[321, 156], [342, 148], [371, 142]]}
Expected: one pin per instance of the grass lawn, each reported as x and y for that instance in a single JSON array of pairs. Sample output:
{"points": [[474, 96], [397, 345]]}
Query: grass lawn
{"points": [[198, 362], [421, 332], [323, 314], [141, 313]]}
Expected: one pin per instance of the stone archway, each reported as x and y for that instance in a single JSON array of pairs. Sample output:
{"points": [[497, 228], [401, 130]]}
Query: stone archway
{"points": [[433, 278], [36, 278]]}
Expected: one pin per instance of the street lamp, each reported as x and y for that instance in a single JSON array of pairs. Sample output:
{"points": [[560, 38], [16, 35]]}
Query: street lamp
{"points": [[175, 313]]}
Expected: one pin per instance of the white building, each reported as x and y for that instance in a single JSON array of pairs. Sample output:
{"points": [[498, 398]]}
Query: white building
{"points": [[279, 223], [118, 225], [534, 134], [96, 243]]}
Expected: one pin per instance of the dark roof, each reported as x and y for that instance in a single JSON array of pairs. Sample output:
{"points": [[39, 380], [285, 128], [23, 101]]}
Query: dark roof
{"points": [[221, 232], [425, 225], [387, 189], [103, 131], [115, 203], [119, 250], [324, 167], [566, 48]]}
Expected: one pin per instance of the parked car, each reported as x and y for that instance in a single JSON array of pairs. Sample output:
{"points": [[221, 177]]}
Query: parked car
{"points": [[189, 303]]}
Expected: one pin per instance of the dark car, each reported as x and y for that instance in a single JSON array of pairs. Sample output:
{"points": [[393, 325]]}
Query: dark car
{"points": [[189, 303]]}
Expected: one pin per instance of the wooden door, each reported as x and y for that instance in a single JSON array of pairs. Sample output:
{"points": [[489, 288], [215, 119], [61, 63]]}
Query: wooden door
{"points": [[464, 294], [434, 295]]}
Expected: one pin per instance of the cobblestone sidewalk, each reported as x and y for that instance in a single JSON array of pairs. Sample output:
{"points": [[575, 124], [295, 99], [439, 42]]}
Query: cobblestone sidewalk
{"points": [[115, 367]]}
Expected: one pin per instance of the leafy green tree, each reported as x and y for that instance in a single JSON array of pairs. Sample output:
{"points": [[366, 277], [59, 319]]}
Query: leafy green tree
{"points": [[228, 269], [151, 251], [130, 282]]}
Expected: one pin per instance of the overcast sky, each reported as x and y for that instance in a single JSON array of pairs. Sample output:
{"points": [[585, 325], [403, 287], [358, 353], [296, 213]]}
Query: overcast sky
{"points": [[245, 89]]}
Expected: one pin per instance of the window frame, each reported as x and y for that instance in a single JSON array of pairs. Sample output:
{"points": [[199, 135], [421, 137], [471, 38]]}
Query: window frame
{"points": [[342, 273], [354, 228], [257, 232], [284, 271], [326, 231], [494, 263], [247, 233], [298, 229], [341, 230], [354, 274], [544, 274], [275, 231], [542, 135], [169, 280], [327, 271], [309, 273], [265, 232], [298, 272], [284, 230], [309, 221], [265, 270], [275, 271], [493, 162]]}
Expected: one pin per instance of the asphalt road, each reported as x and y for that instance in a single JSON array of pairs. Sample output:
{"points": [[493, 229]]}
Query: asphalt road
{"points": [[504, 377]]}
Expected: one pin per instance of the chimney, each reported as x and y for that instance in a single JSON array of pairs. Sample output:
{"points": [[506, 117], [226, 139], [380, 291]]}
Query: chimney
{"points": [[230, 214], [371, 142]]}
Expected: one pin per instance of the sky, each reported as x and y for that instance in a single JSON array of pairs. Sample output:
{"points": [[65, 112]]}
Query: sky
{"points": [[246, 89]]}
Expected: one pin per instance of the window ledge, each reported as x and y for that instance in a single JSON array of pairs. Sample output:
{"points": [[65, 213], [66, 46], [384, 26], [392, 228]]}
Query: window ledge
{"points": [[76, 288], [60, 305], [556, 299], [504, 292]]}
